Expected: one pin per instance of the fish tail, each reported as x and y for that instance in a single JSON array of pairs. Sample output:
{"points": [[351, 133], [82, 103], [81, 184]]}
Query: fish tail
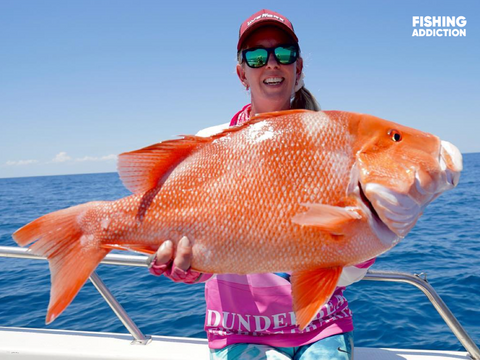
{"points": [[72, 253]]}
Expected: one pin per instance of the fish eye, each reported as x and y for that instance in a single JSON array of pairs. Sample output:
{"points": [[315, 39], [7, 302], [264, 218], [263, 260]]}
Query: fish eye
{"points": [[395, 135]]}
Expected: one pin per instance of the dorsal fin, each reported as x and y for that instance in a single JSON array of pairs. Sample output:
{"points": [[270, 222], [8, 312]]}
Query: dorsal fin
{"points": [[143, 169]]}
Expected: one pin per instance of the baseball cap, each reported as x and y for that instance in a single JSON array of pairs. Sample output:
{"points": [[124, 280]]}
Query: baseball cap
{"points": [[262, 18]]}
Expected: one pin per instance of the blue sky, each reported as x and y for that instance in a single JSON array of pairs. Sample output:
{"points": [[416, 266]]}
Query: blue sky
{"points": [[82, 81]]}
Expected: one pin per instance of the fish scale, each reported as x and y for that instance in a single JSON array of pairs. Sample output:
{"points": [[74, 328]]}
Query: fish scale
{"points": [[288, 191]]}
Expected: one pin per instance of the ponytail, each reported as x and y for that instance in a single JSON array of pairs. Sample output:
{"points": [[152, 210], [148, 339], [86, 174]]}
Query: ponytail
{"points": [[304, 100]]}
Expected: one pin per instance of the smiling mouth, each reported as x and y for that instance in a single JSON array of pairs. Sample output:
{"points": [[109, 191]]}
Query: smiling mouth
{"points": [[274, 81]]}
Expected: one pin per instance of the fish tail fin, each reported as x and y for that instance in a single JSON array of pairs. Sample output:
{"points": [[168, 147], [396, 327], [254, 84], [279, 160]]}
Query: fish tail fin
{"points": [[72, 254]]}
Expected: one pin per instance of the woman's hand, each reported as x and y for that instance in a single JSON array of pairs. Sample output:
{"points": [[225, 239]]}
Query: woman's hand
{"points": [[179, 269], [183, 258]]}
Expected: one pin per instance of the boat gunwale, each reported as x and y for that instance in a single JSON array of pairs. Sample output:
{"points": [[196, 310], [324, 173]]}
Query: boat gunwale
{"points": [[372, 275]]}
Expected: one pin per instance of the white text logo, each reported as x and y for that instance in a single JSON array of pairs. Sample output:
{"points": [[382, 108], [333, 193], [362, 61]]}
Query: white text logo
{"points": [[439, 26], [265, 15]]}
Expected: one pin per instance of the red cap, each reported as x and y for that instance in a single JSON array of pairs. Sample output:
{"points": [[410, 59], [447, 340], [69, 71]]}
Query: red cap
{"points": [[262, 18]]}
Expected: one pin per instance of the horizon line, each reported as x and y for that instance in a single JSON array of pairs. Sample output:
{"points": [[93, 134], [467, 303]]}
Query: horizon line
{"points": [[110, 172]]}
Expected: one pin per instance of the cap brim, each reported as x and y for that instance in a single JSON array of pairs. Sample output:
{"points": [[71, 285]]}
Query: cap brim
{"points": [[262, 23]]}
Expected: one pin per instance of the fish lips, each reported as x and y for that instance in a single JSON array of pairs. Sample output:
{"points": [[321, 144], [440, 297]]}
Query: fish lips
{"points": [[393, 211], [369, 205], [399, 212], [386, 234]]}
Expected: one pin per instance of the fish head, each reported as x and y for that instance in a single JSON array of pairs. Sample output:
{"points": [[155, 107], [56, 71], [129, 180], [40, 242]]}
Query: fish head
{"points": [[398, 172]]}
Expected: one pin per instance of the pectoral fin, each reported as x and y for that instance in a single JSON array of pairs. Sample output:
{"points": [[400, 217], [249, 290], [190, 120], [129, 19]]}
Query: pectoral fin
{"points": [[332, 219], [311, 289]]}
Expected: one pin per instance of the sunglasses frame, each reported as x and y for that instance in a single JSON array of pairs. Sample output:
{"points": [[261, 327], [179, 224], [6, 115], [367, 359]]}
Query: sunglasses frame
{"points": [[269, 52]]}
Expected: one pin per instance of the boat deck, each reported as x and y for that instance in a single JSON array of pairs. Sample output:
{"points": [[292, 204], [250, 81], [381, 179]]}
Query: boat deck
{"points": [[41, 344]]}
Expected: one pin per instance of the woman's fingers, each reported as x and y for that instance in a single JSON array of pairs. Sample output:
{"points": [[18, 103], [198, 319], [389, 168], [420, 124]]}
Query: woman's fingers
{"points": [[179, 270], [164, 253], [183, 258]]}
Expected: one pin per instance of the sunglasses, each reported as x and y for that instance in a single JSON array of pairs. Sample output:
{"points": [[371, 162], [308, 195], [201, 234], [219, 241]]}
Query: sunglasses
{"points": [[258, 57]]}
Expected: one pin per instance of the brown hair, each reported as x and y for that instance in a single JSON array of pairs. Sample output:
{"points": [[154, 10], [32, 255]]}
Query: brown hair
{"points": [[304, 100]]}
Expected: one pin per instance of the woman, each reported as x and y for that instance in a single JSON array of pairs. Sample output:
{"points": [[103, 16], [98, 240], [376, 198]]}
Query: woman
{"points": [[251, 316]]}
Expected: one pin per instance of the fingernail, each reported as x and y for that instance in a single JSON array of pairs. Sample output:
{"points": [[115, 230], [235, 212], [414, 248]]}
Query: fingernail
{"points": [[166, 244], [185, 241]]}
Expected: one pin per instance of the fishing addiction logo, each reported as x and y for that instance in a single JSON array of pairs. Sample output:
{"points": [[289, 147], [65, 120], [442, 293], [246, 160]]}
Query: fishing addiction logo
{"points": [[439, 26]]}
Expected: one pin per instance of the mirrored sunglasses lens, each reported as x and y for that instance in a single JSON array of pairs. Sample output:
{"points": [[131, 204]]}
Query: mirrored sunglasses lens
{"points": [[286, 55], [256, 58]]}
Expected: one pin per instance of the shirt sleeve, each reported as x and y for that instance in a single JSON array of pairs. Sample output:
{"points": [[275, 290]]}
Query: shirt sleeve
{"points": [[212, 130], [351, 274], [178, 275]]}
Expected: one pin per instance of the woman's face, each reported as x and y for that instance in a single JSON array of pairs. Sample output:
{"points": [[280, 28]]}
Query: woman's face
{"points": [[272, 85]]}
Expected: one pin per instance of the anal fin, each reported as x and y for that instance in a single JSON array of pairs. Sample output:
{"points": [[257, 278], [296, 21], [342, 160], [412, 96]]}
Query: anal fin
{"points": [[311, 289], [146, 249]]}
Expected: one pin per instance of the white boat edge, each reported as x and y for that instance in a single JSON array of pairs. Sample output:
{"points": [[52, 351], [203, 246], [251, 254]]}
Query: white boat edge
{"points": [[44, 344]]}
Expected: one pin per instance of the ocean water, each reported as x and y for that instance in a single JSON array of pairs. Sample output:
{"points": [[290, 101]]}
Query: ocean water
{"points": [[445, 244]]}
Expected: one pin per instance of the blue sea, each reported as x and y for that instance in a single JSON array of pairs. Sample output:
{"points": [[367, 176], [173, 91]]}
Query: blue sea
{"points": [[445, 244]]}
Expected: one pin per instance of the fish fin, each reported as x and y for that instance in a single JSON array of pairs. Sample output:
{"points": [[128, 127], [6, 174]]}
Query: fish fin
{"points": [[59, 237], [142, 249], [114, 247], [311, 289], [327, 218], [144, 169], [135, 248]]}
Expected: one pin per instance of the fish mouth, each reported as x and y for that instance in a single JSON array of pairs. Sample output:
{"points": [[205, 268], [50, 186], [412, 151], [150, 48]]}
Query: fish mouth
{"points": [[451, 162], [387, 235], [368, 203]]}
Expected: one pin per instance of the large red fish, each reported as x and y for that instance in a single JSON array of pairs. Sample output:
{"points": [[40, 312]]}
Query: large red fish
{"points": [[300, 191]]}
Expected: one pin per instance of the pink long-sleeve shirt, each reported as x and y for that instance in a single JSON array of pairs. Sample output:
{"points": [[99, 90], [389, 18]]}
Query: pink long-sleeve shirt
{"points": [[257, 308]]}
